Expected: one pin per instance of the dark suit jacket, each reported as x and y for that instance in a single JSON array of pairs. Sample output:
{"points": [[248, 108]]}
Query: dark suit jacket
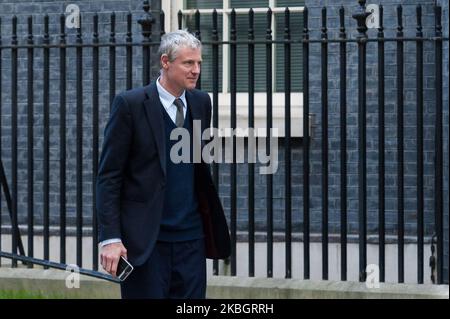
{"points": [[131, 179]]}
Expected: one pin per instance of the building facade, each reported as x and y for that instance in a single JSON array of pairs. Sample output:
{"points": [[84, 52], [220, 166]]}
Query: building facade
{"points": [[37, 9]]}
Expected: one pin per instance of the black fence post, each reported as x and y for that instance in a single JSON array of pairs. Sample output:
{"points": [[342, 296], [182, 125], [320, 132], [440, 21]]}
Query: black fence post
{"points": [[62, 139], [215, 106], [400, 148], [180, 19], [343, 151], [162, 29], [112, 59], [439, 173], [381, 149], [146, 23], [233, 166], [199, 37], [30, 153], [269, 98], [324, 96], [361, 17], [306, 142], [129, 53], [420, 193], [251, 124], [79, 146], [95, 142], [287, 139], [46, 100], [14, 75]]}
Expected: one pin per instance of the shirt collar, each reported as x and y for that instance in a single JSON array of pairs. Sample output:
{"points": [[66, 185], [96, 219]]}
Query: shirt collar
{"points": [[166, 98]]}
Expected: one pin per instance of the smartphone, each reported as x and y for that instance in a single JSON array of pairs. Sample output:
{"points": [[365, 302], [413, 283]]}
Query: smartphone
{"points": [[124, 269]]}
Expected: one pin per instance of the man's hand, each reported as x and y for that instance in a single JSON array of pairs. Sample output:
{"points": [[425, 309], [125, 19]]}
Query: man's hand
{"points": [[110, 255]]}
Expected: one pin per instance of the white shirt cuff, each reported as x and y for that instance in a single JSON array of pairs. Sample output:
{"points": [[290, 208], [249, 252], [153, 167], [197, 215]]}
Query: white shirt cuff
{"points": [[110, 241]]}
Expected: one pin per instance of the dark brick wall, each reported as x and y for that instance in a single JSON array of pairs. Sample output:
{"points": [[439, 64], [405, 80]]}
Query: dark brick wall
{"points": [[352, 132], [372, 121], [37, 9], [390, 22]]}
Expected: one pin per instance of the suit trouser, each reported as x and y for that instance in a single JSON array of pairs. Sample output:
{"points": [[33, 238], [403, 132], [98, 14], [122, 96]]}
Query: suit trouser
{"points": [[174, 270]]}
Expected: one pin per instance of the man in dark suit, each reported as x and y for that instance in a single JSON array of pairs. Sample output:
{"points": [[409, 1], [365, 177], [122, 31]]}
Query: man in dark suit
{"points": [[163, 216]]}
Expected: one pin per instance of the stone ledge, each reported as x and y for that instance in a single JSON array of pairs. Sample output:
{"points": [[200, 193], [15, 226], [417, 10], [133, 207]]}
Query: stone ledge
{"points": [[52, 283], [275, 288]]}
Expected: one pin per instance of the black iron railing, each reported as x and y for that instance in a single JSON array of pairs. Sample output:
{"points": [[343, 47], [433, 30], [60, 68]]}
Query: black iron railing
{"points": [[345, 43]]}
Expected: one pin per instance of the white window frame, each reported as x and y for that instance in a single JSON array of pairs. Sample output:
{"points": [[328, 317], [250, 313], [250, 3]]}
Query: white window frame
{"points": [[171, 23]]}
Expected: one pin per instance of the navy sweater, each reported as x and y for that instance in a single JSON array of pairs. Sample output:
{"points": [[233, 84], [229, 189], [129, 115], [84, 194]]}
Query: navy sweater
{"points": [[181, 220]]}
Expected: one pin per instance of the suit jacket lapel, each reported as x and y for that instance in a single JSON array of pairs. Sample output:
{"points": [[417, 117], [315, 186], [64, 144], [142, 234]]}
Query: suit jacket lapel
{"points": [[153, 111]]}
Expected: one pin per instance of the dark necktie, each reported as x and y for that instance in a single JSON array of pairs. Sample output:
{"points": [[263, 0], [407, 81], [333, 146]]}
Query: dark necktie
{"points": [[179, 120]]}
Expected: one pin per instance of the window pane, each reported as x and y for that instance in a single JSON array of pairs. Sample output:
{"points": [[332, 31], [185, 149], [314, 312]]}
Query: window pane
{"points": [[206, 24], [204, 4], [242, 64], [290, 3], [296, 28], [249, 4], [242, 53]]}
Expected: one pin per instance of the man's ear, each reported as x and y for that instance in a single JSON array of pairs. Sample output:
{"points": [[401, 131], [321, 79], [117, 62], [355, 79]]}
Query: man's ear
{"points": [[164, 61]]}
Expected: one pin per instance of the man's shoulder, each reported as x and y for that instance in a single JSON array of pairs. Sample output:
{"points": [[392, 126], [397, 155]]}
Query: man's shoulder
{"points": [[196, 93], [130, 100], [135, 95]]}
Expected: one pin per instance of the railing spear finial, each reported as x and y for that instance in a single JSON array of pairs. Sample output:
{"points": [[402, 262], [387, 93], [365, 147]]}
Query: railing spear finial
{"points": [[146, 21], [361, 17]]}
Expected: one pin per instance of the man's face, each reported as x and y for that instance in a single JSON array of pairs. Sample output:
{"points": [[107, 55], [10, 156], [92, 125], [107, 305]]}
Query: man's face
{"points": [[183, 72]]}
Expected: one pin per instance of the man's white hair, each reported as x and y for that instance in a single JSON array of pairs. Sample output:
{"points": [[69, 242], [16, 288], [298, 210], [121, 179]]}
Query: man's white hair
{"points": [[172, 41]]}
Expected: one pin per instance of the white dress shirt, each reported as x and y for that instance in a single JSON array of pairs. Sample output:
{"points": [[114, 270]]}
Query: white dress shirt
{"points": [[167, 100]]}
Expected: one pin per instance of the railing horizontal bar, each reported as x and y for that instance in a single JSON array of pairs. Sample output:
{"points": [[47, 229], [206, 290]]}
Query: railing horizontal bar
{"points": [[75, 45], [52, 264], [432, 39], [242, 10], [407, 39], [323, 41], [89, 45]]}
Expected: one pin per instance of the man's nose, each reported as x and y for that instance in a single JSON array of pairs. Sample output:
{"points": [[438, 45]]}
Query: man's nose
{"points": [[196, 68]]}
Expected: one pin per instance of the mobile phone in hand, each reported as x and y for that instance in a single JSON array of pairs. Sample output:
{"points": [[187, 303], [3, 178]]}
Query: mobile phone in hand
{"points": [[124, 269]]}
